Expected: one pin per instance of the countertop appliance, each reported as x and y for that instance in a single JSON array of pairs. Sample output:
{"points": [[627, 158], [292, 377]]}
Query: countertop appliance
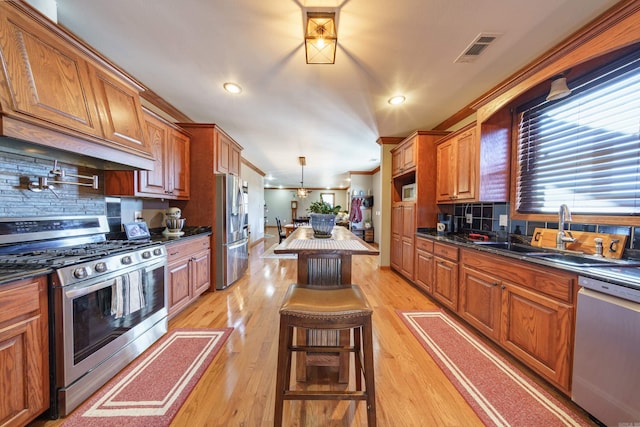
{"points": [[606, 372], [107, 298], [232, 241]]}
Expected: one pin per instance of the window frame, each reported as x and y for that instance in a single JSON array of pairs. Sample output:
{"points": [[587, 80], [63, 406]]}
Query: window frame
{"points": [[598, 218]]}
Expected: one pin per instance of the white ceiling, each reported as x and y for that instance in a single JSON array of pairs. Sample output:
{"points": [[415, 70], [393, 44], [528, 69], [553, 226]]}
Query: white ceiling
{"points": [[332, 114]]}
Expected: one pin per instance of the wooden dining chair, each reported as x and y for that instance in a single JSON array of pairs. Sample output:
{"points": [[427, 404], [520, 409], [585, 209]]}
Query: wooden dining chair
{"points": [[281, 234]]}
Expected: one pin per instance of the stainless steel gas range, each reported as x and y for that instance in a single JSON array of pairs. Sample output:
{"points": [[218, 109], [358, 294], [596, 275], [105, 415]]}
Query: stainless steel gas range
{"points": [[107, 298]]}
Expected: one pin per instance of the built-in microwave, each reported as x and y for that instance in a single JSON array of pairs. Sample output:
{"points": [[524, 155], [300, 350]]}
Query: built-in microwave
{"points": [[408, 192]]}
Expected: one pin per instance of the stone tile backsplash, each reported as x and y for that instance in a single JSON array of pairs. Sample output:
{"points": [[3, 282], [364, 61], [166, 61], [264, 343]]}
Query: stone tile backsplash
{"points": [[486, 217]]}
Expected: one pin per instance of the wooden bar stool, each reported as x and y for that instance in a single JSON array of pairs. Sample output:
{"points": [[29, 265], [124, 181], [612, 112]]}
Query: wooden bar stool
{"points": [[337, 308]]}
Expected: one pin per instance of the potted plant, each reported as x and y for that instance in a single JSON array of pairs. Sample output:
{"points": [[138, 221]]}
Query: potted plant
{"points": [[322, 218]]}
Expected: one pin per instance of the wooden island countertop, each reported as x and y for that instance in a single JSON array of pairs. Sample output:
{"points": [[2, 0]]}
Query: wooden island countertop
{"points": [[324, 261]]}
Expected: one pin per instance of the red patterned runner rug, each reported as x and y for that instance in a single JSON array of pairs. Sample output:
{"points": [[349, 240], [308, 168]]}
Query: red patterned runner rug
{"points": [[151, 390], [497, 391]]}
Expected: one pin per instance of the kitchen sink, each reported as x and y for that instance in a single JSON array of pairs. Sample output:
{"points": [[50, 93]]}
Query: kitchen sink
{"points": [[512, 247], [584, 261], [564, 258]]}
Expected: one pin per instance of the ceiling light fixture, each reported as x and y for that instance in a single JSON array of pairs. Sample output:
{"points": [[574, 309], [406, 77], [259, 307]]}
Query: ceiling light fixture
{"points": [[302, 192], [397, 100], [559, 88], [320, 39], [232, 87]]}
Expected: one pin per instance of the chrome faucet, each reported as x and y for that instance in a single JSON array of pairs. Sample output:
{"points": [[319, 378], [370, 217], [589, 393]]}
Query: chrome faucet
{"points": [[564, 215]]}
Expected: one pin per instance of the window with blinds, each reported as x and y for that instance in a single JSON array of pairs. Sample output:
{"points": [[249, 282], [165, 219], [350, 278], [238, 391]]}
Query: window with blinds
{"points": [[584, 150]]}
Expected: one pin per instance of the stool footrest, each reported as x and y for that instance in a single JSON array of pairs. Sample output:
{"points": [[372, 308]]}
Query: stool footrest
{"points": [[322, 349], [324, 395]]}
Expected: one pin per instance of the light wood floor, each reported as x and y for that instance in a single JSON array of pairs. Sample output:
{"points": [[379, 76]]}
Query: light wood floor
{"points": [[238, 388]]}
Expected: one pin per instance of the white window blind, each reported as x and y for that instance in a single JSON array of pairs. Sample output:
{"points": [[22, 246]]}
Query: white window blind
{"points": [[584, 150]]}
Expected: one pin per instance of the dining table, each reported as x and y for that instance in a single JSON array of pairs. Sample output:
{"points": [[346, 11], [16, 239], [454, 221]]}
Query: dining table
{"points": [[324, 262]]}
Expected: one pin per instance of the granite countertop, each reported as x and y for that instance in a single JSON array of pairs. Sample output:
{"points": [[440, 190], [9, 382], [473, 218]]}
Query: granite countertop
{"points": [[8, 275], [591, 268]]}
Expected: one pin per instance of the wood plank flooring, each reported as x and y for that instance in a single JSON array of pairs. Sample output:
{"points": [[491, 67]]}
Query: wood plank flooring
{"points": [[238, 388]]}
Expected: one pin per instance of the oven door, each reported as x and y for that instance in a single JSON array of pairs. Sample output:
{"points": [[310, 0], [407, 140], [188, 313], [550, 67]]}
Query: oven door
{"points": [[97, 318]]}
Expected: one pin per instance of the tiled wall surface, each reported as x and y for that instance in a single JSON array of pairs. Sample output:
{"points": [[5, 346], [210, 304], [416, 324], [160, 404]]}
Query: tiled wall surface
{"points": [[486, 217], [16, 200]]}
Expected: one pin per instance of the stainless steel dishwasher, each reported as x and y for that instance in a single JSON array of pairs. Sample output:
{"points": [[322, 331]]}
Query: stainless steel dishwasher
{"points": [[606, 364]]}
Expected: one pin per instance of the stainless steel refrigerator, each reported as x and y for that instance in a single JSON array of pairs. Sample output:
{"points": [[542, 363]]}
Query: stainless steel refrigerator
{"points": [[232, 241]]}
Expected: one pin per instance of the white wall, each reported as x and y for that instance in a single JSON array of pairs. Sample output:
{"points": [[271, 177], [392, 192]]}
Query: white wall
{"points": [[255, 182]]}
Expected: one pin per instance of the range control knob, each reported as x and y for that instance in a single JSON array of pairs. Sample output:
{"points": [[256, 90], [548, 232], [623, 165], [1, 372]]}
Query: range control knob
{"points": [[126, 260], [101, 267], [157, 251], [80, 273], [146, 254]]}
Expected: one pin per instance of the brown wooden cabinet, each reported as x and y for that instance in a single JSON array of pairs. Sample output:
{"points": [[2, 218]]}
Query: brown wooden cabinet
{"points": [[170, 176], [55, 91], [403, 230], [24, 351], [413, 162], [227, 155], [188, 270], [403, 157], [424, 264], [445, 271], [473, 163], [525, 308], [456, 159]]}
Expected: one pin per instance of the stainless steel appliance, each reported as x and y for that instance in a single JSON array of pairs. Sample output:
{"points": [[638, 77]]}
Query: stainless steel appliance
{"points": [[232, 242], [606, 372], [107, 298]]}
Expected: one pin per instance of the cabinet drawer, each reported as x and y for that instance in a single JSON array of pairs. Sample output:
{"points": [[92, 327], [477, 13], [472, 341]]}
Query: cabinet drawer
{"points": [[424, 244], [19, 300], [188, 247], [445, 251]]}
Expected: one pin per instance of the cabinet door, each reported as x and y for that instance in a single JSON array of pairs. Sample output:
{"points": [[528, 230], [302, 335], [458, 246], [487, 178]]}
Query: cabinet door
{"points": [[24, 363], [409, 156], [444, 177], [465, 166], [480, 301], [179, 287], [409, 221], [47, 79], [407, 258], [396, 163], [538, 330], [155, 181], [178, 172], [424, 270], [234, 161], [223, 147], [200, 267], [446, 282], [396, 252]]}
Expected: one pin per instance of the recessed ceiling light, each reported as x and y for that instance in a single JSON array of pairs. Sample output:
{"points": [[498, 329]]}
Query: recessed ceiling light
{"points": [[232, 87], [397, 100]]}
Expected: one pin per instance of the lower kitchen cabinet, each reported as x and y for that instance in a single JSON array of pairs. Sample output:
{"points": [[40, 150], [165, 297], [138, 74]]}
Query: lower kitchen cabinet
{"points": [[445, 265], [403, 226], [424, 264], [24, 351], [525, 308], [188, 271]]}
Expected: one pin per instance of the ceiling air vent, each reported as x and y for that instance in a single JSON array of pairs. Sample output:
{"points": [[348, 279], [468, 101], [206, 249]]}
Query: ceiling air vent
{"points": [[476, 47]]}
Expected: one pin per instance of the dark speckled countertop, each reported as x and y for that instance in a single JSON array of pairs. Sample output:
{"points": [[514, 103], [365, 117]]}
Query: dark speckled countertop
{"points": [[625, 272], [9, 274]]}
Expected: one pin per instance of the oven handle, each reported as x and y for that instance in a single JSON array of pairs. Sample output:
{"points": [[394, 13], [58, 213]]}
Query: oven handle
{"points": [[80, 289]]}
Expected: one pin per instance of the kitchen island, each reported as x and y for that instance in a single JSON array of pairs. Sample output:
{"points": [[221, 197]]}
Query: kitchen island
{"points": [[324, 261]]}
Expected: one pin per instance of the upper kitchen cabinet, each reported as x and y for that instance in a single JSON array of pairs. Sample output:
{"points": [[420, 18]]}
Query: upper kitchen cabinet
{"points": [[473, 163], [403, 157], [56, 91], [227, 154], [418, 155], [170, 176]]}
